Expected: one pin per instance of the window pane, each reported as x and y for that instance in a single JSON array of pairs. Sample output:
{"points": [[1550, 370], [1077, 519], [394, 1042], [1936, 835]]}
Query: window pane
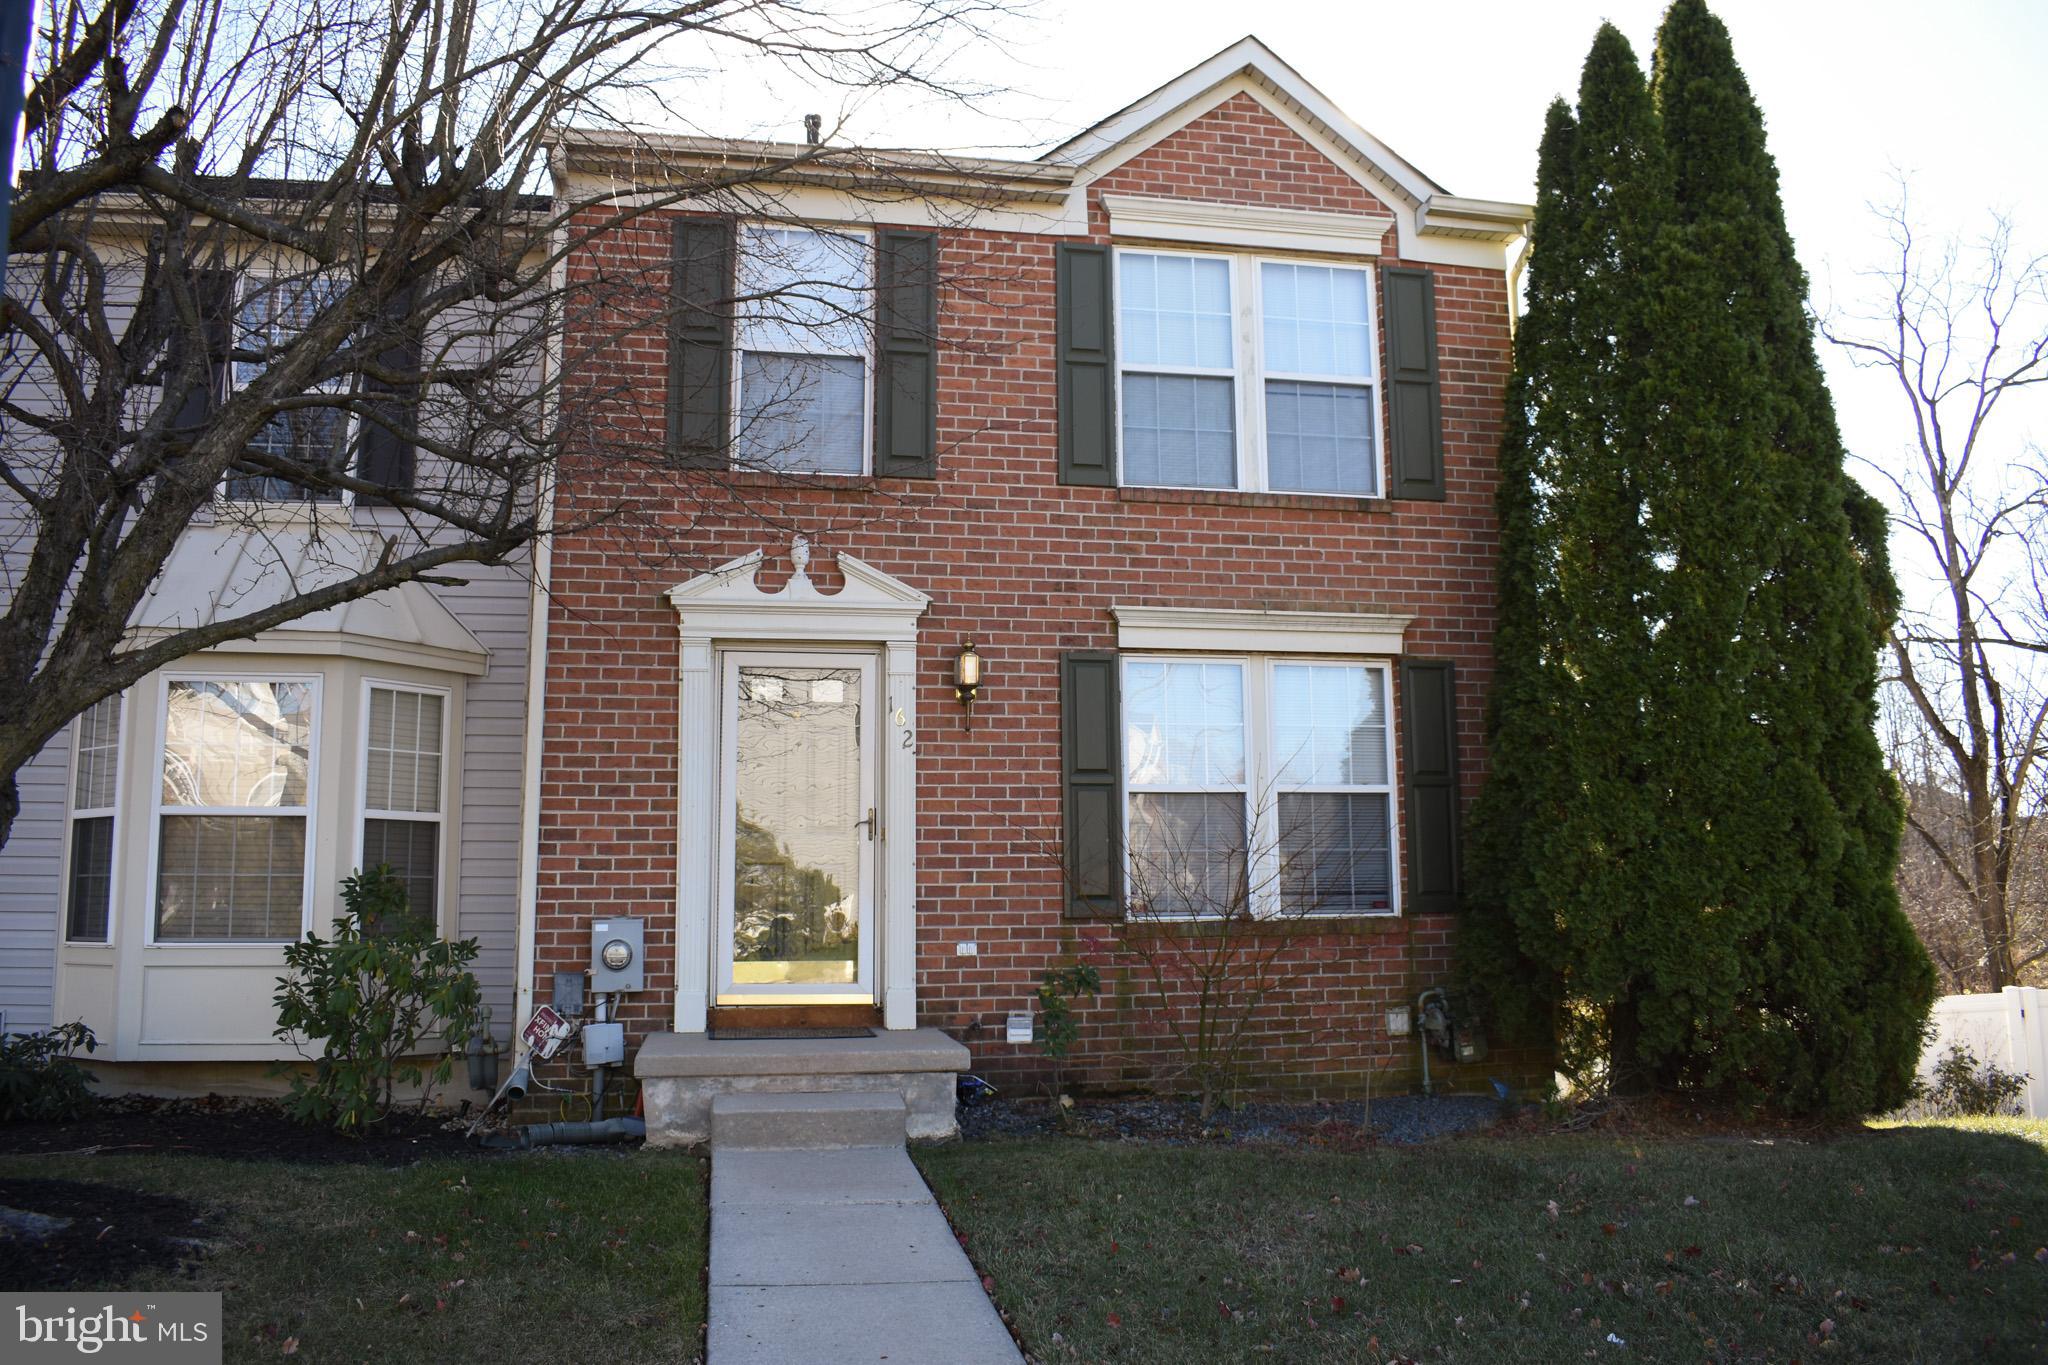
{"points": [[412, 849], [802, 291], [1315, 320], [802, 414], [1184, 724], [1330, 725], [308, 436], [1334, 854], [1188, 853], [1319, 438], [231, 877], [403, 751], [1175, 311], [99, 746], [92, 879], [1180, 431], [237, 743]]}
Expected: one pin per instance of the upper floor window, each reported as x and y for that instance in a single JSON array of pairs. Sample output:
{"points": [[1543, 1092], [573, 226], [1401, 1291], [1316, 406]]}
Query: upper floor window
{"points": [[1246, 373], [803, 344], [270, 311]]}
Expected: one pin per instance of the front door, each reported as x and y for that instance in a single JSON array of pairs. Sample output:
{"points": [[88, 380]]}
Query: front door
{"points": [[797, 829]]}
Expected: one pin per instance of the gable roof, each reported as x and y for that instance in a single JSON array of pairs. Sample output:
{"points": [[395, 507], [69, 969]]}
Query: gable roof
{"points": [[1422, 205], [1251, 58]]}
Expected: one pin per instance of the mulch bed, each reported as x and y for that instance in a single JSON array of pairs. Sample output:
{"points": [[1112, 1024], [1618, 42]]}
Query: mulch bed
{"points": [[1169, 1122], [81, 1234], [240, 1129]]}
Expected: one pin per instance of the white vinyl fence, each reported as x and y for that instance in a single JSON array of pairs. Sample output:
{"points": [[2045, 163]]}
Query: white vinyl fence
{"points": [[2009, 1028]]}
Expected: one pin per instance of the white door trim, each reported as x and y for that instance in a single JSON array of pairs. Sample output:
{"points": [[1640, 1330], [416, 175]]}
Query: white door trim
{"points": [[725, 608]]}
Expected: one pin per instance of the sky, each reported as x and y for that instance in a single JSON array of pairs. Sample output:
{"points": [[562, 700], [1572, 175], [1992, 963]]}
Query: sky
{"points": [[1954, 97]]}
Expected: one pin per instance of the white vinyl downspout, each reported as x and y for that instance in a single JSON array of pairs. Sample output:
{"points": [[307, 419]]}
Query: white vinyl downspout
{"points": [[537, 658]]}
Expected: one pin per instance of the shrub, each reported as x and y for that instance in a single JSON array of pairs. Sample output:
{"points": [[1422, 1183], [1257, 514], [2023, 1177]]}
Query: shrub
{"points": [[38, 1079], [1965, 1088], [1057, 988], [382, 990]]}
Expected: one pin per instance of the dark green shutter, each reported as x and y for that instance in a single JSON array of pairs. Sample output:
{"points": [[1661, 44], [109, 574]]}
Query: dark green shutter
{"points": [[1429, 705], [1087, 366], [1415, 437], [906, 356], [1092, 773], [385, 457], [214, 294], [699, 339]]}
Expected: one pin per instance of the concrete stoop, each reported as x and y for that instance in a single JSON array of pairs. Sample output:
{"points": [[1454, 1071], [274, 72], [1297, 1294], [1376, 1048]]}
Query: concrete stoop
{"points": [[833, 1089], [807, 1121]]}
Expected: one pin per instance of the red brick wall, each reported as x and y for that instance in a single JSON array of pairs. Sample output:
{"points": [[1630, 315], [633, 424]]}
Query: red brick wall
{"points": [[1028, 569]]}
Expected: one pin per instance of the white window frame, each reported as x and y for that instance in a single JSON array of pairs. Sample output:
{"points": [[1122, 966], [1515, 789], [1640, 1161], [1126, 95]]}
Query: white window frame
{"points": [[75, 813], [363, 811], [1271, 745], [344, 499], [1248, 673], [1261, 787], [1249, 374], [157, 809], [865, 353]]}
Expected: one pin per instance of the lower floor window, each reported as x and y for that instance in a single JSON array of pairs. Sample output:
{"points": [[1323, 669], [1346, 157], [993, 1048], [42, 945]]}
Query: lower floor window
{"points": [[403, 775], [233, 805], [1258, 786], [95, 787]]}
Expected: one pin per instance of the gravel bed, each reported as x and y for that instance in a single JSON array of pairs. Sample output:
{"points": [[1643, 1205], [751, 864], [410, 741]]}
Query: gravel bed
{"points": [[1395, 1119]]}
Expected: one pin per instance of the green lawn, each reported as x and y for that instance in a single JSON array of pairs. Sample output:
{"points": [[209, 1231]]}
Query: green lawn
{"points": [[534, 1257], [1917, 1243]]}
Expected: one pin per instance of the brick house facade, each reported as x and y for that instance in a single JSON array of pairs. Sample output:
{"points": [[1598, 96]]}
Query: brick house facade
{"points": [[1040, 559]]}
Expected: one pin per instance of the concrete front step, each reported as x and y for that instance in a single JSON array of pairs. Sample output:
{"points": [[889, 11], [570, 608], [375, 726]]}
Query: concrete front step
{"points": [[681, 1074], [807, 1120]]}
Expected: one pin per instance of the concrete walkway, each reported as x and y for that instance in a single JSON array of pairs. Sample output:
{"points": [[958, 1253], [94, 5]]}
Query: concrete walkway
{"points": [[828, 1255]]}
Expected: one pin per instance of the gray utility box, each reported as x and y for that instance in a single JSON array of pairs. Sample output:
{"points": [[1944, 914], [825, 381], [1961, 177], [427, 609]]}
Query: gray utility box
{"points": [[617, 947]]}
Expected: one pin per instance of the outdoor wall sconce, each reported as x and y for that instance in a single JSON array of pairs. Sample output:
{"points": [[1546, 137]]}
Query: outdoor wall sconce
{"points": [[967, 677]]}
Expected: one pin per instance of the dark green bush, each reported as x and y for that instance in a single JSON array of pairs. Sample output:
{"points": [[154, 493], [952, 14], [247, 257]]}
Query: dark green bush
{"points": [[384, 990], [38, 1079]]}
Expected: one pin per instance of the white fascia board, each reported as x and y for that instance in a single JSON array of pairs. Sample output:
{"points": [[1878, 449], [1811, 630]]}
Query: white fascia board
{"points": [[1245, 225], [1064, 216], [1257, 631], [1488, 220]]}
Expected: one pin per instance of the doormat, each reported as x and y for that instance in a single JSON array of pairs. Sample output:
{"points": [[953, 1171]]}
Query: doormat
{"points": [[725, 1033]]}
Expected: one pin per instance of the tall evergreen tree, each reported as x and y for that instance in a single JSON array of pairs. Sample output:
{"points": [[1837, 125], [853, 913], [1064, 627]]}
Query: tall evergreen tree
{"points": [[1683, 854]]}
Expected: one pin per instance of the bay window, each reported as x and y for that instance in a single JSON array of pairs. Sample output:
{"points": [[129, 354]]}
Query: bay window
{"points": [[1241, 372], [95, 791], [403, 770], [1259, 785], [233, 804], [802, 343]]}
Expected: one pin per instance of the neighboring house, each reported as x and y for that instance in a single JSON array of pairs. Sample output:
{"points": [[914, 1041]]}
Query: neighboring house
{"points": [[179, 835], [1189, 427]]}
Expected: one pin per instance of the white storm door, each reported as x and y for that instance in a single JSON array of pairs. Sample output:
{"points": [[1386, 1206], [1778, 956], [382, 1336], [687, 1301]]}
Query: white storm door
{"points": [[798, 828]]}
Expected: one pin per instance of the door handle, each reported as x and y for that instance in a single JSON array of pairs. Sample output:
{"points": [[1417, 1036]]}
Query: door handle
{"points": [[868, 824]]}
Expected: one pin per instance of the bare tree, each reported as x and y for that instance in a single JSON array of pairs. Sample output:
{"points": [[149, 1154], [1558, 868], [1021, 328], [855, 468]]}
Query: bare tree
{"points": [[1963, 333], [255, 244]]}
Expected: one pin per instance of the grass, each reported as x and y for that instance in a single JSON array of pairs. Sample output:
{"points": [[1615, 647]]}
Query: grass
{"points": [[531, 1257], [1917, 1243]]}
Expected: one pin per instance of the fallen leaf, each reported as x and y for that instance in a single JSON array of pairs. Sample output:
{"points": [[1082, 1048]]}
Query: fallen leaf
{"points": [[1114, 1321], [1412, 1249], [1336, 1303], [1691, 1202], [1610, 1228], [290, 1347], [1349, 1273]]}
